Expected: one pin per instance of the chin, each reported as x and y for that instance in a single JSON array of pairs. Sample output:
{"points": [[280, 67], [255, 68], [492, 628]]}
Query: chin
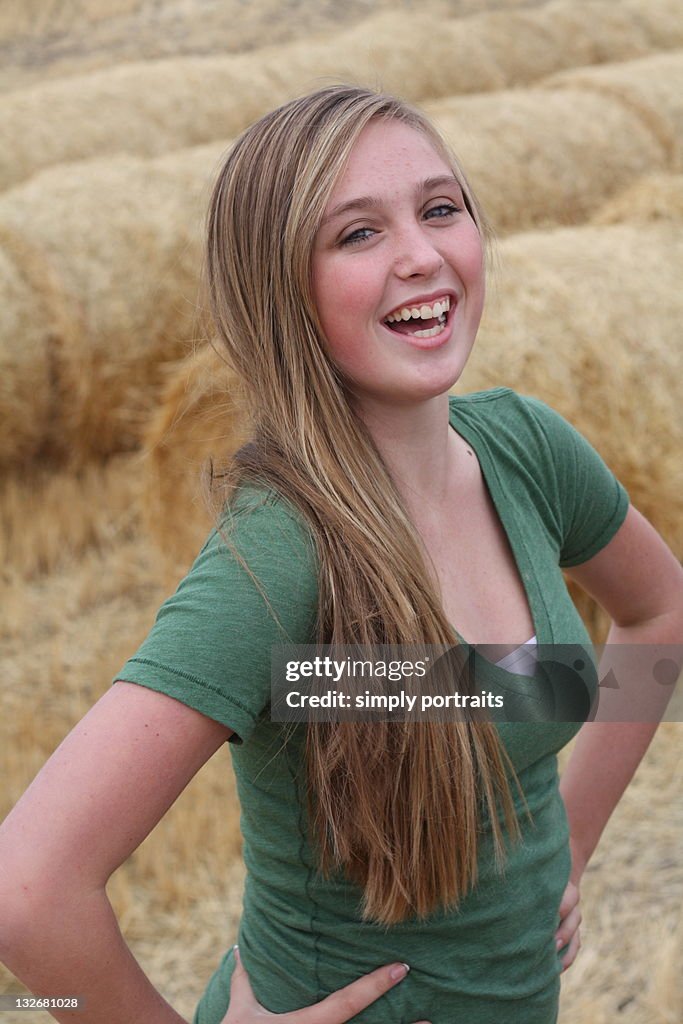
{"points": [[439, 384]]}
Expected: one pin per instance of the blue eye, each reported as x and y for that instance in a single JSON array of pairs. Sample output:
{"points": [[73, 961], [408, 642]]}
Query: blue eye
{"points": [[360, 235], [448, 207]]}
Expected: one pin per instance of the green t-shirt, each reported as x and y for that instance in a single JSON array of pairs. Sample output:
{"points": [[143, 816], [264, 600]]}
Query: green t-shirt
{"points": [[301, 937]]}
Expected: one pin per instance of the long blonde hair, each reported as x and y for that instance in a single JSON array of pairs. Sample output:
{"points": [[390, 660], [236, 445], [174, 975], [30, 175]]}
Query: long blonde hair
{"points": [[396, 806]]}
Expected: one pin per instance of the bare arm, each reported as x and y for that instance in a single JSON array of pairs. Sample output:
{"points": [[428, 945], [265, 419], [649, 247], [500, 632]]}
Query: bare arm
{"points": [[99, 795], [639, 582]]}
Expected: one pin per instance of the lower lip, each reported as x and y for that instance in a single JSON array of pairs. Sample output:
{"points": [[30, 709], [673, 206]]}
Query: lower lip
{"points": [[426, 343]]}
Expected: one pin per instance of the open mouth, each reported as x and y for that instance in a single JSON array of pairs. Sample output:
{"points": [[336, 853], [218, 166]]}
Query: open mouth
{"points": [[425, 321]]}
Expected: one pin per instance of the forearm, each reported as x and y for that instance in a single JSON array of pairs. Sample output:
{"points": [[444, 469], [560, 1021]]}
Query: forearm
{"points": [[77, 949], [603, 761], [607, 752]]}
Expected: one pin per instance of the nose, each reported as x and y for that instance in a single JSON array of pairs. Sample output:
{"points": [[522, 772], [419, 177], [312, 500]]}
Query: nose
{"points": [[416, 255]]}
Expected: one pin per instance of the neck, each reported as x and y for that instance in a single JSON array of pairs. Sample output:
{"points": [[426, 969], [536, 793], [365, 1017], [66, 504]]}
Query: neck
{"points": [[419, 449]]}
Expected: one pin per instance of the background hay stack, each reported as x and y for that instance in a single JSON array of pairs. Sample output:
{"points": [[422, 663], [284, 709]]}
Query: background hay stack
{"points": [[116, 243], [554, 154], [654, 197], [151, 107], [540, 157], [28, 17], [107, 331], [25, 329], [201, 417], [652, 87]]}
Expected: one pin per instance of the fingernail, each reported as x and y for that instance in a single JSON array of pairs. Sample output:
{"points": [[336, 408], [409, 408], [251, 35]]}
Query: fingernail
{"points": [[398, 971], [558, 943]]}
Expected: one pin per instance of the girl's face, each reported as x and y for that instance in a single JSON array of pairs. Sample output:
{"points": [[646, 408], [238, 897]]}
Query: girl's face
{"points": [[396, 238]]}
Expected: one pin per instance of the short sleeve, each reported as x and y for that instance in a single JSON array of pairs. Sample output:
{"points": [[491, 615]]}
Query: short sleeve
{"points": [[592, 501], [210, 646]]}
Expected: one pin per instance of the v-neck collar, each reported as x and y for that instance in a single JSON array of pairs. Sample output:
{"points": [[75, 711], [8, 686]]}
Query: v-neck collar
{"points": [[522, 557]]}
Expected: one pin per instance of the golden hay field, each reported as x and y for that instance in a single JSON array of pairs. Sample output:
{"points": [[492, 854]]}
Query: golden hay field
{"points": [[54, 38], [569, 118]]}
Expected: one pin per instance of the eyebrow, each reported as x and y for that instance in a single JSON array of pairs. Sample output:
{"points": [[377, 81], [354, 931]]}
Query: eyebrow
{"points": [[373, 202]]}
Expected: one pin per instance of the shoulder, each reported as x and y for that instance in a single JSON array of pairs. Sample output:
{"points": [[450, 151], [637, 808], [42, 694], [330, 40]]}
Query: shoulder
{"points": [[502, 404], [538, 429], [499, 404], [534, 447], [262, 531], [256, 570], [526, 427], [252, 585]]}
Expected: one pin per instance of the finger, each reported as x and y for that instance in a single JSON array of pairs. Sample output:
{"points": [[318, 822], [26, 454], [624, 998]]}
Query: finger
{"points": [[568, 927], [346, 1002], [574, 947], [241, 994], [570, 898]]}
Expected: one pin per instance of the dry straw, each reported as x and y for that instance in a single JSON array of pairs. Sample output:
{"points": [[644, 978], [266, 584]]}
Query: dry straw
{"points": [[49, 519], [179, 897], [31, 18], [100, 287], [153, 107], [77, 36], [115, 246], [36, 21], [654, 197], [100, 258], [201, 417], [25, 387], [35, 320], [541, 157], [110, 250], [652, 88]]}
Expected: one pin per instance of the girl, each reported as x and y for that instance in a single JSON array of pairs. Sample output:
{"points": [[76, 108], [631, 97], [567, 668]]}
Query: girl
{"points": [[345, 269]]}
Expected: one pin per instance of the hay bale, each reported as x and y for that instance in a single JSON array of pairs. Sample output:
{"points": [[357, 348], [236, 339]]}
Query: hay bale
{"points": [[148, 108], [33, 317], [200, 416], [32, 18], [120, 242], [566, 152], [565, 34], [651, 87], [662, 22], [538, 157], [654, 197], [50, 519], [71, 40], [588, 319], [24, 369]]}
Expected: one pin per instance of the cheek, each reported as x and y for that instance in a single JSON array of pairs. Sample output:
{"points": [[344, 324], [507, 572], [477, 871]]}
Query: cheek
{"points": [[472, 269], [344, 300], [346, 340], [345, 347], [347, 284], [330, 296]]}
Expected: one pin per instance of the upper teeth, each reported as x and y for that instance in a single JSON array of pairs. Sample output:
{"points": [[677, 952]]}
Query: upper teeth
{"points": [[423, 312]]}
